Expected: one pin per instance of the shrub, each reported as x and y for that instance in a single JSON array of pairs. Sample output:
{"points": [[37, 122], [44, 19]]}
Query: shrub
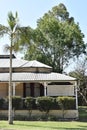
{"points": [[16, 102], [55, 105], [2, 101], [66, 103], [44, 104], [29, 101]]}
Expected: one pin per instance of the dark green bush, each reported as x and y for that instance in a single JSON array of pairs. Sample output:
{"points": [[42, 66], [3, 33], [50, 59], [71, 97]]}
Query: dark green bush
{"points": [[66, 103], [55, 105], [16, 102], [44, 104], [29, 101], [2, 101]]}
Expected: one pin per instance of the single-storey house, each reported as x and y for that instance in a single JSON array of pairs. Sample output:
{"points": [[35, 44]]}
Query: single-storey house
{"points": [[33, 78]]}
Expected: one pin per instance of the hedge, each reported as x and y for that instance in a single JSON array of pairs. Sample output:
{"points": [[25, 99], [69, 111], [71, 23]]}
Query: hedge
{"points": [[42, 103]]}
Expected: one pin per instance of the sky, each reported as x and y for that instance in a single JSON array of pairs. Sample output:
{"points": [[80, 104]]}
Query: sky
{"points": [[29, 11]]}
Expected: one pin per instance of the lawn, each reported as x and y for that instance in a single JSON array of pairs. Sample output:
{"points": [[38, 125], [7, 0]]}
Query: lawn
{"points": [[30, 125]]}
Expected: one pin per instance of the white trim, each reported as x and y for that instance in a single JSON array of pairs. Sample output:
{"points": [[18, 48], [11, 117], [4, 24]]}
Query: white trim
{"points": [[76, 95], [45, 89], [14, 84]]}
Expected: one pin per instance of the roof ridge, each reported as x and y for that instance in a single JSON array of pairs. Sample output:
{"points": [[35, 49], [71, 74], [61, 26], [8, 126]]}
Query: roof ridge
{"points": [[35, 61], [24, 64]]}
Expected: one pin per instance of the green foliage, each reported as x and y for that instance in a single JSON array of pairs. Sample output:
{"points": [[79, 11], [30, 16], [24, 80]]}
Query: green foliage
{"points": [[55, 105], [16, 102], [29, 102], [44, 104], [2, 101], [12, 20], [80, 74], [66, 103], [61, 12], [56, 39]]}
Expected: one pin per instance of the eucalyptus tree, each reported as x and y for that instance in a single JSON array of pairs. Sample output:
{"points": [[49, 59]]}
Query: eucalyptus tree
{"points": [[57, 38], [15, 33]]}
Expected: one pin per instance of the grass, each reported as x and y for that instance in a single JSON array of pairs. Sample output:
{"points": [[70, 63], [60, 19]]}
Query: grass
{"points": [[30, 125], [49, 125]]}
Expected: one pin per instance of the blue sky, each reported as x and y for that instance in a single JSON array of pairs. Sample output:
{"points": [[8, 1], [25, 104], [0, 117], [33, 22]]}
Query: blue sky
{"points": [[31, 10]]}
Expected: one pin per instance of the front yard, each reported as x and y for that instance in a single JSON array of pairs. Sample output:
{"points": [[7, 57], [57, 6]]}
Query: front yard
{"points": [[28, 125]]}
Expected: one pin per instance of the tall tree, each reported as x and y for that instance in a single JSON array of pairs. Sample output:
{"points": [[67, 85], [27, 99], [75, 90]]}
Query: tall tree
{"points": [[58, 39], [15, 33], [80, 73]]}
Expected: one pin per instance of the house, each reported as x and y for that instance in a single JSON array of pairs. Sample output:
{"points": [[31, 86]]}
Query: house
{"points": [[32, 78]]}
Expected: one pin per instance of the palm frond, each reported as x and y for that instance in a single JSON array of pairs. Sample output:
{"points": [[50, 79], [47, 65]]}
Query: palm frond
{"points": [[3, 30], [12, 20]]}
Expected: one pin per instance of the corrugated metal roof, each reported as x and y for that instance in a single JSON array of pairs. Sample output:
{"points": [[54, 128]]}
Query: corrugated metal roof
{"points": [[5, 63], [35, 63], [21, 77]]}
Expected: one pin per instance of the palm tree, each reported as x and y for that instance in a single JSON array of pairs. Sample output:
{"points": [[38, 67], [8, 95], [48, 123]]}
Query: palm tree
{"points": [[14, 32]]}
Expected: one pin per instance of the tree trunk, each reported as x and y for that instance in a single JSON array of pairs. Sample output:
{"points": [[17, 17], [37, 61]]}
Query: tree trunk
{"points": [[10, 114]]}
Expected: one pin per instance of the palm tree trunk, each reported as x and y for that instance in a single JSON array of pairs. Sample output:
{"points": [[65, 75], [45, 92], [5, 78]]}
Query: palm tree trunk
{"points": [[10, 116]]}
